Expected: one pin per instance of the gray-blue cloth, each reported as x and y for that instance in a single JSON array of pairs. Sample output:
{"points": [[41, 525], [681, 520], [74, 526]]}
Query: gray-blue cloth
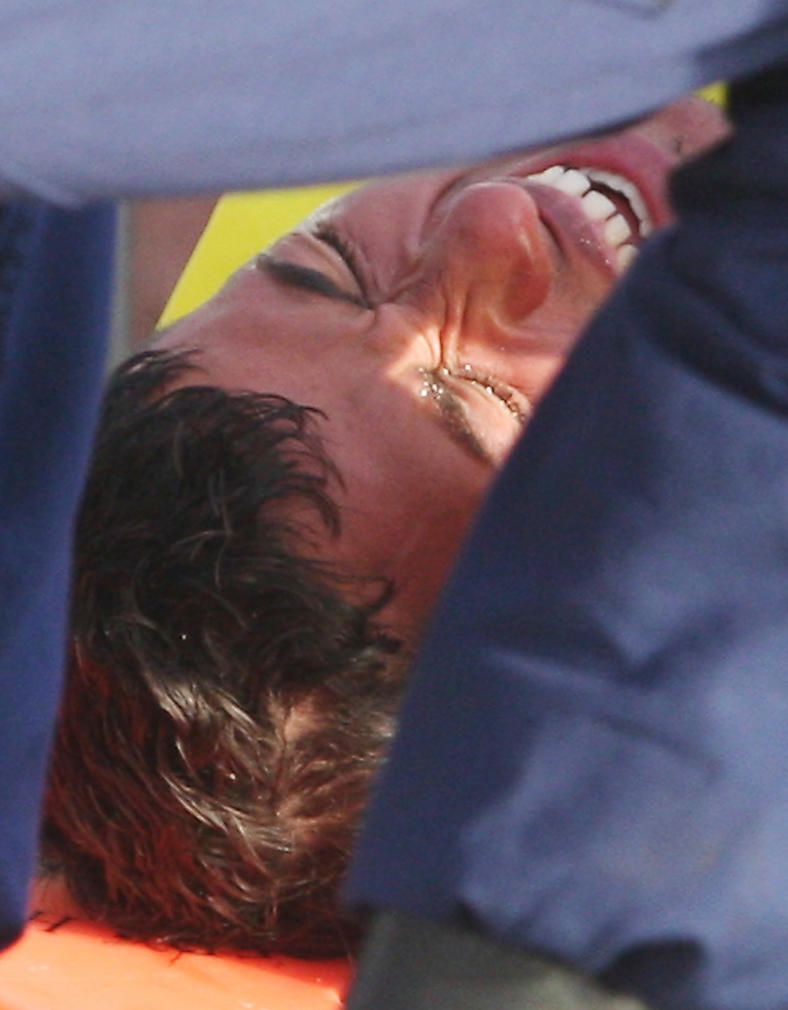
{"points": [[592, 758], [107, 97]]}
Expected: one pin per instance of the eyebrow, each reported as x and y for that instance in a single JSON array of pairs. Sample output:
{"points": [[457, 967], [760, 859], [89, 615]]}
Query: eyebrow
{"points": [[304, 278]]}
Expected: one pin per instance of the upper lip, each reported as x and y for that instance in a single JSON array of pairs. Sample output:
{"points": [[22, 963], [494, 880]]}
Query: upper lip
{"points": [[629, 155]]}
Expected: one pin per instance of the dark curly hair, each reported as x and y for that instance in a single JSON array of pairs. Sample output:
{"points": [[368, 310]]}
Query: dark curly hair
{"points": [[229, 694]]}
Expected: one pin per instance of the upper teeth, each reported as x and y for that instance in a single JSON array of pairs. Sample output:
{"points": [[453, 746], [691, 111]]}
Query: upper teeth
{"points": [[598, 208]]}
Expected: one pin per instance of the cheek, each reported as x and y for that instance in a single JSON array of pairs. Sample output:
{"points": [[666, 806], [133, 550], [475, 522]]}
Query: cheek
{"points": [[409, 496], [416, 531], [576, 296], [423, 564], [556, 326]]}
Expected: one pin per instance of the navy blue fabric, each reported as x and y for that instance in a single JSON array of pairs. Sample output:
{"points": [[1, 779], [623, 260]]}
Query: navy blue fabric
{"points": [[55, 285], [592, 759]]}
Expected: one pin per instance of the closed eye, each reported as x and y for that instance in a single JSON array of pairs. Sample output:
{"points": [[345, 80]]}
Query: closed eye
{"points": [[516, 403], [452, 414], [305, 278]]}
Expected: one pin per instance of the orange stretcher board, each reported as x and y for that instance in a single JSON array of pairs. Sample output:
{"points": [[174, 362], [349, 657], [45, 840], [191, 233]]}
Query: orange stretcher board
{"points": [[66, 963]]}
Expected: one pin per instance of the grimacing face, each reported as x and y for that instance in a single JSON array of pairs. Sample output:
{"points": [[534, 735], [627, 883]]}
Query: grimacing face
{"points": [[427, 314]]}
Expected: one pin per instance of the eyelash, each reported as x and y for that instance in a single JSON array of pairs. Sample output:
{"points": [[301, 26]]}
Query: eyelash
{"points": [[327, 233], [494, 387]]}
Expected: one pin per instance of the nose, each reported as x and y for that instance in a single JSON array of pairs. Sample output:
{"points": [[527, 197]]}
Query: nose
{"points": [[489, 258]]}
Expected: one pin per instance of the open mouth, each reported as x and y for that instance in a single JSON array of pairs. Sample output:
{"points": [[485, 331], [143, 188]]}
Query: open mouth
{"points": [[611, 203]]}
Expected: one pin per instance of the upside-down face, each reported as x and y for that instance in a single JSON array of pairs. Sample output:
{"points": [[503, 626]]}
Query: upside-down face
{"points": [[426, 315]]}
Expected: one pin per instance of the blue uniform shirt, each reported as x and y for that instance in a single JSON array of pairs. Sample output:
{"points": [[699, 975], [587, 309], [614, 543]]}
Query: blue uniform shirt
{"points": [[592, 759], [55, 283]]}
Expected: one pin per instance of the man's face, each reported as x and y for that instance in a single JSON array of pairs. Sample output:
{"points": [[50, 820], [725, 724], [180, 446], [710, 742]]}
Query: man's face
{"points": [[426, 315]]}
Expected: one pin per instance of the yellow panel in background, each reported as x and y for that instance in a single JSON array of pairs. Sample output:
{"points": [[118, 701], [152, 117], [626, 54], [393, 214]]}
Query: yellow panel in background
{"points": [[242, 224], [714, 93]]}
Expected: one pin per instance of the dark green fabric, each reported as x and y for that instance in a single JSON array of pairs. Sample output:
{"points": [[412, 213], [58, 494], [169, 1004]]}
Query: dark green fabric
{"points": [[414, 964]]}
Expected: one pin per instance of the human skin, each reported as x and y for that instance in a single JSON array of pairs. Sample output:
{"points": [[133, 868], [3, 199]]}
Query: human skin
{"points": [[426, 315]]}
